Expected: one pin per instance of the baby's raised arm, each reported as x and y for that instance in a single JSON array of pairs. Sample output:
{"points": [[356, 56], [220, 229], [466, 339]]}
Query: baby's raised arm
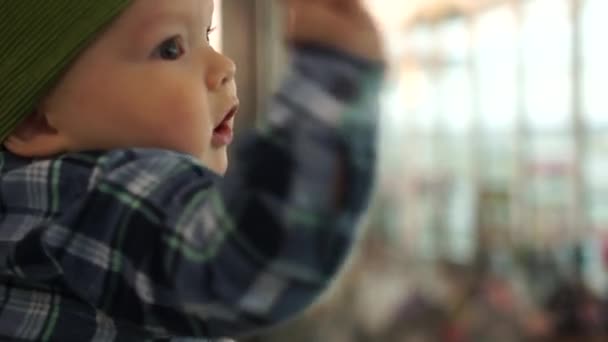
{"points": [[341, 24]]}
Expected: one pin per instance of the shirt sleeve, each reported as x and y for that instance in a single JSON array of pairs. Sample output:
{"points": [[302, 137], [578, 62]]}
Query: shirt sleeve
{"points": [[160, 242]]}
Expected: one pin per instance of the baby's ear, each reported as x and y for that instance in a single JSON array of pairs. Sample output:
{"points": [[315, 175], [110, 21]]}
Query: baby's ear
{"points": [[35, 137]]}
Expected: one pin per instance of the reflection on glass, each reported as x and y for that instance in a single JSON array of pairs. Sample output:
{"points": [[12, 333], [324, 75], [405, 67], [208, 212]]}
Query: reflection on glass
{"points": [[547, 43]]}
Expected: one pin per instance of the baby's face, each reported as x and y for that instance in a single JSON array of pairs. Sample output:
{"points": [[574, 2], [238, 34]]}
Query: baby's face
{"points": [[150, 80]]}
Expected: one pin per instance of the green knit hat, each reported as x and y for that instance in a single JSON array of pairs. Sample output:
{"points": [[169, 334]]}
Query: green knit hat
{"points": [[38, 40]]}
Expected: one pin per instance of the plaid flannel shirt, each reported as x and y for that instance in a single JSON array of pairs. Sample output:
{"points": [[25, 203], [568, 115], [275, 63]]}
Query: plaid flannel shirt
{"points": [[145, 244]]}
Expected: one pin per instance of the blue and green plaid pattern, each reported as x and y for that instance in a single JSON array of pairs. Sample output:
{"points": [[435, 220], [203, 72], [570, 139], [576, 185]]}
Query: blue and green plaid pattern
{"points": [[145, 244]]}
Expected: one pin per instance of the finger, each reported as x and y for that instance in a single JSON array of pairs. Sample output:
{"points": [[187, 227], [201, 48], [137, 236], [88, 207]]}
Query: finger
{"points": [[296, 11], [347, 5], [310, 22]]}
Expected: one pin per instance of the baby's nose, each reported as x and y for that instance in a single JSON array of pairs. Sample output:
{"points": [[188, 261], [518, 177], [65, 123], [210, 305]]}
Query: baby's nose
{"points": [[221, 71]]}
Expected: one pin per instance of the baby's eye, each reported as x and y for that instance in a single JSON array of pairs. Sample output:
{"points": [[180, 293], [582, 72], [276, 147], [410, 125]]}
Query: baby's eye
{"points": [[170, 50], [209, 32]]}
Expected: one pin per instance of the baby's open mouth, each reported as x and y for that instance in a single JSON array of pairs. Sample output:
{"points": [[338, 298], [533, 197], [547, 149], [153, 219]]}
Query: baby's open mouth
{"points": [[223, 134]]}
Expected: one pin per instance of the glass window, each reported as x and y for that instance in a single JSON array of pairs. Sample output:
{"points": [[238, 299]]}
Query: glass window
{"points": [[424, 117], [453, 226], [455, 96], [454, 81], [547, 43], [495, 69], [420, 43], [596, 164], [416, 81], [495, 61], [595, 66], [453, 39], [595, 109], [549, 168], [216, 37]]}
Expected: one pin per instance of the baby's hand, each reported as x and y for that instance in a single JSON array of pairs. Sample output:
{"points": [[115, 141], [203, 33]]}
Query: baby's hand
{"points": [[342, 24]]}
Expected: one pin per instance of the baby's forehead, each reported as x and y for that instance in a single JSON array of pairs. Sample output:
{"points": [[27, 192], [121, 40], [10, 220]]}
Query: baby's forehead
{"points": [[158, 12]]}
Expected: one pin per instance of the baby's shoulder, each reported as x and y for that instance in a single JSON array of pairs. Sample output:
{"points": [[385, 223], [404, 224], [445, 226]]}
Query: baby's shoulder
{"points": [[82, 171], [152, 158], [139, 165]]}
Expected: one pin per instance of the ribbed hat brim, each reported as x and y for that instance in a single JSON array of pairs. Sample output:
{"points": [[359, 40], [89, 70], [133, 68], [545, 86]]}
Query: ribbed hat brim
{"points": [[38, 40]]}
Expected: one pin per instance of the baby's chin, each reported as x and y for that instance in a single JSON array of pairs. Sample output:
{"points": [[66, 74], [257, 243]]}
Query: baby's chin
{"points": [[216, 160]]}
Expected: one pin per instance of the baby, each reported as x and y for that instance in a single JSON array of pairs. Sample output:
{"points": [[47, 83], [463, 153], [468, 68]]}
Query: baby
{"points": [[118, 218]]}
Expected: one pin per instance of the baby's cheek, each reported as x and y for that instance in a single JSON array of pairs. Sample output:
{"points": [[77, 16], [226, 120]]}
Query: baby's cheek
{"points": [[191, 132], [185, 118]]}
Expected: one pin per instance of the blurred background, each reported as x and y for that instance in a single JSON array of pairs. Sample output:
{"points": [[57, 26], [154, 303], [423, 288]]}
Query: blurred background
{"points": [[490, 220]]}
